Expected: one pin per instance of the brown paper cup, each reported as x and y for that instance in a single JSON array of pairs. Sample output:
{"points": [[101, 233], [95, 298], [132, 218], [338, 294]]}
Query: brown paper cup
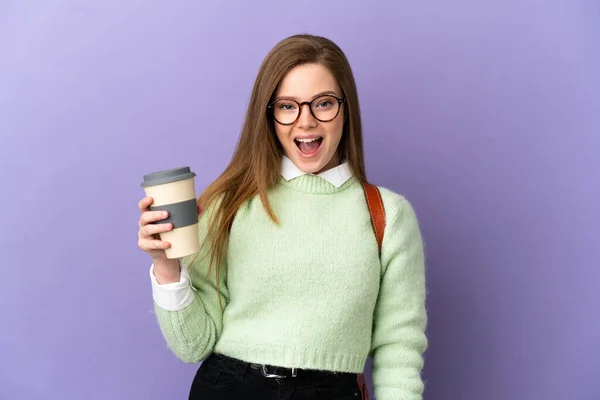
{"points": [[174, 191]]}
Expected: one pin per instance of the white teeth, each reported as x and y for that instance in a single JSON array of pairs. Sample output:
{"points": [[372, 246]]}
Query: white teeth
{"points": [[307, 140]]}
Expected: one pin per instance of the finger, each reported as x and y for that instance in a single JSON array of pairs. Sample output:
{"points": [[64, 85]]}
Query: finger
{"points": [[149, 245], [145, 203], [152, 216], [152, 229], [160, 244]]}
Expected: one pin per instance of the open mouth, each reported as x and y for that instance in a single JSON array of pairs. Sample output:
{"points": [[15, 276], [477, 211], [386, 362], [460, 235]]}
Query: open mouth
{"points": [[309, 146]]}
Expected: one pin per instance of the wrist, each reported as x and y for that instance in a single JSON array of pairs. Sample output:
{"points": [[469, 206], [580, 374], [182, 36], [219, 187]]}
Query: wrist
{"points": [[167, 271]]}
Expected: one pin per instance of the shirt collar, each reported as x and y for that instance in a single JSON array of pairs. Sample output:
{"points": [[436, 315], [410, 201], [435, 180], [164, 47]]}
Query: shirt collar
{"points": [[337, 176]]}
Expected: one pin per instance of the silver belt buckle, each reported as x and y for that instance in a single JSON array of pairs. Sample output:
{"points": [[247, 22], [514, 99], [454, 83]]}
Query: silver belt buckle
{"points": [[268, 375]]}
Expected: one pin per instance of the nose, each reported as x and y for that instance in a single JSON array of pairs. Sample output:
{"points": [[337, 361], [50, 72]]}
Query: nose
{"points": [[306, 119]]}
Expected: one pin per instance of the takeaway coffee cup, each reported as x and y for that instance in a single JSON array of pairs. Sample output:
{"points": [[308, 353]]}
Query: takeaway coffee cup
{"points": [[173, 191]]}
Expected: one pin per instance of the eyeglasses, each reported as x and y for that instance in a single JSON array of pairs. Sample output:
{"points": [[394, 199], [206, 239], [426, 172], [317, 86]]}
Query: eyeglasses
{"points": [[324, 108]]}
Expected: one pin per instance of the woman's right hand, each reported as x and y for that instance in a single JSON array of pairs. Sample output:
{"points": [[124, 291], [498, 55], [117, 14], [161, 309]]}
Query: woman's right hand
{"points": [[148, 234], [166, 270]]}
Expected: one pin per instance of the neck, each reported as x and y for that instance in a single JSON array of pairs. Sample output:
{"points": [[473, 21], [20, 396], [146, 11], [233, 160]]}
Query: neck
{"points": [[334, 162]]}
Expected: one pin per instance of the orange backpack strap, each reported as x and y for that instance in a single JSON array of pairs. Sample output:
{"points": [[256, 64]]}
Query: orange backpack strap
{"points": [[375, 204], [377, 212], [362, 384]]}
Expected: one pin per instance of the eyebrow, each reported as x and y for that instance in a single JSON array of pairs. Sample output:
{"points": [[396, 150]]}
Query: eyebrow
{"points": [[314, 97]]}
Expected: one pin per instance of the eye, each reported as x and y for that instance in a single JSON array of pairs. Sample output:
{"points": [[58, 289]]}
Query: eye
{"points": [[286, 106], [324, 102]]}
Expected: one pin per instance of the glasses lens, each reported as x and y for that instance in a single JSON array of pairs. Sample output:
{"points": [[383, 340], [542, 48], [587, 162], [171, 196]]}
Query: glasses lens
{"points": [[325, 108], [285, 111]]}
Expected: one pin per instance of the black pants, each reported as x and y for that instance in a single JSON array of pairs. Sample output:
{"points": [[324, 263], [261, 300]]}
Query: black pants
{"points": [[224, 378]]}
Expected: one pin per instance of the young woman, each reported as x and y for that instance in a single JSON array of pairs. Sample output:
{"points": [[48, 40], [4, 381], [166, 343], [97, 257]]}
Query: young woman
{"points": [[290, 293]]}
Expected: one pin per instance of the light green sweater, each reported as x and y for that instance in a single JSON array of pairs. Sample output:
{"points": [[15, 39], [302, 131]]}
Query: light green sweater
{"points": [[311, 292]]}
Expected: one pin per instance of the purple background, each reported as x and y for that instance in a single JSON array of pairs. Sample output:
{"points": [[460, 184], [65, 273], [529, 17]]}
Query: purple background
{"points": [[485, 114]]}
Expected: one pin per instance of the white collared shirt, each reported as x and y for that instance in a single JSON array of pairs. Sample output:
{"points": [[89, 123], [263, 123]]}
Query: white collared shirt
{"points": [[337, 176], [178, 295]]}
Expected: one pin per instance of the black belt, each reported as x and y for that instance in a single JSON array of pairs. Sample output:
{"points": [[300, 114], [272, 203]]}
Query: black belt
{"points": [[270, 371], [274, 372]]}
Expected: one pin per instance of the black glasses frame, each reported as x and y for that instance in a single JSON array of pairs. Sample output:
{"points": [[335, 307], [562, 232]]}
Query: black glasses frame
{"points": [[309, 103]]}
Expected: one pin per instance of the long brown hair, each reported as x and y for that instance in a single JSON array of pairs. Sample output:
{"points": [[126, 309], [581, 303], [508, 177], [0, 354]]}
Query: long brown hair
{"points": [[256, 162]]}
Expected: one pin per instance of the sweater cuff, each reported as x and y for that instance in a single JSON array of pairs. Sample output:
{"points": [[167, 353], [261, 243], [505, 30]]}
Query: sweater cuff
{"points": [[173, 296]]}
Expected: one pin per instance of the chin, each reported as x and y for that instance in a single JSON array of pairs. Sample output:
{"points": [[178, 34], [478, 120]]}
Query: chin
{"points": [[310, 166]]}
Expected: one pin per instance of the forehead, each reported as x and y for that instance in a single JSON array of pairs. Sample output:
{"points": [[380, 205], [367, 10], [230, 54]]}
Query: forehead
{"points": [[304, 81]]}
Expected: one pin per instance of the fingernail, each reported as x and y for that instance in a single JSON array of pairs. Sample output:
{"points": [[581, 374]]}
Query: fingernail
{"points": [[164, 213]]}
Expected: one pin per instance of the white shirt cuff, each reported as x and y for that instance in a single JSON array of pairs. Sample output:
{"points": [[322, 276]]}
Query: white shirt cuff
{"points": [[172, 296]]}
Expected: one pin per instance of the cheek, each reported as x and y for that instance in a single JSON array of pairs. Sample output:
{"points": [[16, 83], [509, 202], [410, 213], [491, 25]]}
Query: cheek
{"points": [[283, 133], [279, 132], [337, 129]]}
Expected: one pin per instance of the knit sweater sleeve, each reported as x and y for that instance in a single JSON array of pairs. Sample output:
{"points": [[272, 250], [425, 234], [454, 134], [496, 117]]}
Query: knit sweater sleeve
{"points": [[192, 332], [399, 340]]}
